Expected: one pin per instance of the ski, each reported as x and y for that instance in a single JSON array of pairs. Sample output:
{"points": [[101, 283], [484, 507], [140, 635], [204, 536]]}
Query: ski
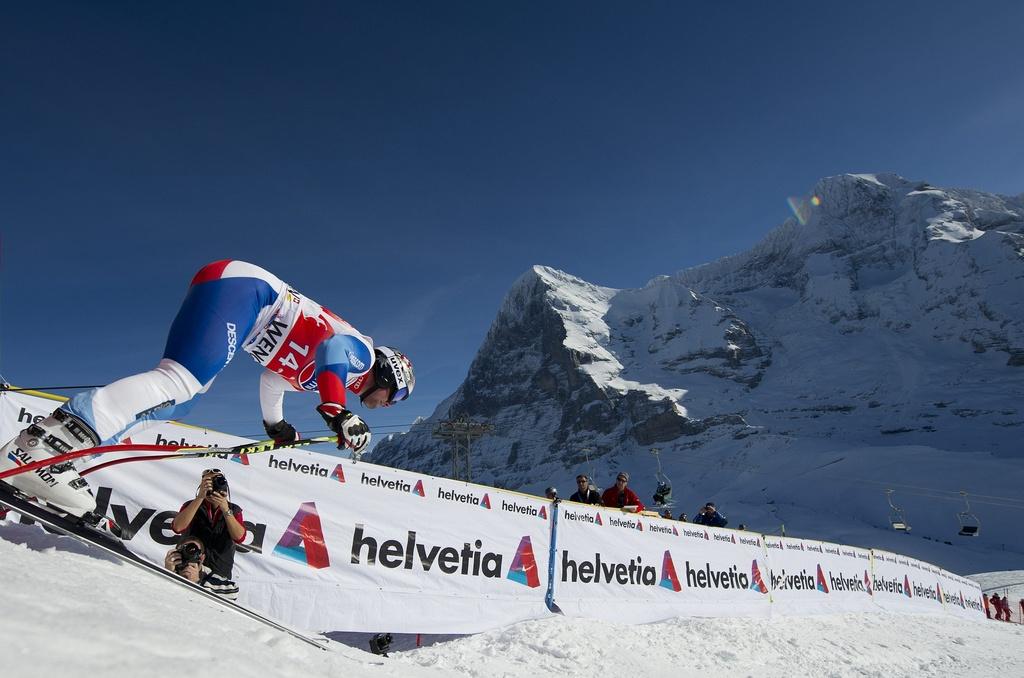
{"points": [[171, 452], [112, 546]]}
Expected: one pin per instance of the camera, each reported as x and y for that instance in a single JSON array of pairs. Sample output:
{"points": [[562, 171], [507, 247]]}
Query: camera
{"points": [[381, 643], [220, 483], [190, 552]]}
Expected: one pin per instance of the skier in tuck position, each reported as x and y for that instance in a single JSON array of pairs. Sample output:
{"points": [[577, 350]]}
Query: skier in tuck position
{"points": [[229, 305]]}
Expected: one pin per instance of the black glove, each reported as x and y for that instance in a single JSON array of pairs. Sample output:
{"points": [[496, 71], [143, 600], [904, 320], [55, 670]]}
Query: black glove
{"points": [[282, 432], [352, 431]]}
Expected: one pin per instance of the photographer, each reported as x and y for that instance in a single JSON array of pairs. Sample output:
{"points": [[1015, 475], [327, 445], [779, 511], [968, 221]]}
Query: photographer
{"points": [[186, 559], [217, 524]]}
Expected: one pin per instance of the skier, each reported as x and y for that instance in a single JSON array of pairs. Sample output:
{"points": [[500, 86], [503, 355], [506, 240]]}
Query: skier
{"points": [[230, 305]]}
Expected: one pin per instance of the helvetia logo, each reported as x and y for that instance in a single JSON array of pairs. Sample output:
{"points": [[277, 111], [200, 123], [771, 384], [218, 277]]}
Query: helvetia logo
{"points": [[287, 464], [894, 586], [524, 565], [867, 584], [242, 459], [394, 484], [598, 519], [471, 560], [303, 541], [756, 581], [675, 531], [707, 578], [597, 572], [699, 534], [822, 584], [466, 497], [921, 591], [799, 581], [625, 522], [662, 529], [842, 583], [669, 579], [338, 474], [515, 507]]}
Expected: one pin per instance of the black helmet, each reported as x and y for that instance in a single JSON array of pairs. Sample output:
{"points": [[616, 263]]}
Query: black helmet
{"points": [[393, 371]]}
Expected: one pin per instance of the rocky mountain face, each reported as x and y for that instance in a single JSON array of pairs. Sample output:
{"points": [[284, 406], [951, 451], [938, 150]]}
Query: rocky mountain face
{"points": [[890, 314]]}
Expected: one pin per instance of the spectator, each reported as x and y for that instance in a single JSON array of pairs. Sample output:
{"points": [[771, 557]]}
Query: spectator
{"points": [[683, 517], [620, 496], [551, 493], [186, 559], [585, 493], [741, 527], [997, 604], [217, 524], [710, 516], [1004, 609], [985, 599], [667, 513]]}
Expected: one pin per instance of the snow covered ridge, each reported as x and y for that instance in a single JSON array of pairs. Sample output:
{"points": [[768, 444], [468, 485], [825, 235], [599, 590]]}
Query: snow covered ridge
{"points": [[889, 318]]}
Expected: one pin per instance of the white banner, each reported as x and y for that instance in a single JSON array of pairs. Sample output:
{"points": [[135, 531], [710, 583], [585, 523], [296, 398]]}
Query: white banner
{"points": [[339, 546], [961, 596], [814, 577], [628, 568], [904, 584], [333, 545]]}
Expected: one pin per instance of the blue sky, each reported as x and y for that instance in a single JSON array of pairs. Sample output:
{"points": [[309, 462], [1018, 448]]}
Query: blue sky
{"points": [[404, 162]]}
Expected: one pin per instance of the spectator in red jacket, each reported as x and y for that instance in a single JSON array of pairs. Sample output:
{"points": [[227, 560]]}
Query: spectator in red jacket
{"points": [[997, 605], [620, 496], [1004, 609]]}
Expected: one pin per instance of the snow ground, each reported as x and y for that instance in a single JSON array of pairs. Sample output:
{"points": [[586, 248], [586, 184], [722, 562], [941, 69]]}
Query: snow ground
{"points": [[74, 611]]}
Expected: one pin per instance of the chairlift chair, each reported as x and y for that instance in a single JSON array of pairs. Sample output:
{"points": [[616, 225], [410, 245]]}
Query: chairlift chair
{"points": [[969, 523], [896, 518], [663, 492]]}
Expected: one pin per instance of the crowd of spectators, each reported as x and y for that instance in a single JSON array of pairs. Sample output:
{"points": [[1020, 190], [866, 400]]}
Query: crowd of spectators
{"points": [[620, 496]]}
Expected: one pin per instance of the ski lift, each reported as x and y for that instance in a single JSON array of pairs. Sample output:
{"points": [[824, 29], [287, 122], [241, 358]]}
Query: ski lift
{"points": [[663, 492], [896, 517], [969, 523]]}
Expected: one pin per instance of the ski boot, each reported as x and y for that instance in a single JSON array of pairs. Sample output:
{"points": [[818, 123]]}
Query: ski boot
{"points": [[59, 486]]}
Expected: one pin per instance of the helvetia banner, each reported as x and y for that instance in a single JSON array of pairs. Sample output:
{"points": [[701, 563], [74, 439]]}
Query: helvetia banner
{"points": [[630, 568], [904, 584], [960, 596], [333, 545], [814, 577]]}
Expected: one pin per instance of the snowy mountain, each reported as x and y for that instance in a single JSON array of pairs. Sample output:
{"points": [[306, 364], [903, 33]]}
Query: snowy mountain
{"points": [[875, 342]]}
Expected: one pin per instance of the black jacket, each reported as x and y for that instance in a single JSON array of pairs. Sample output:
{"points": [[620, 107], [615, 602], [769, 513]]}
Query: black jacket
{"points": [[220, 547], [716, 519], [591, 496]]}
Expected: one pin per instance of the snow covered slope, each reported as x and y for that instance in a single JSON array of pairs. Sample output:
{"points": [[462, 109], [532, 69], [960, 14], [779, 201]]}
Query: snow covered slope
{"points": [[875, 343], [70, 612]]}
